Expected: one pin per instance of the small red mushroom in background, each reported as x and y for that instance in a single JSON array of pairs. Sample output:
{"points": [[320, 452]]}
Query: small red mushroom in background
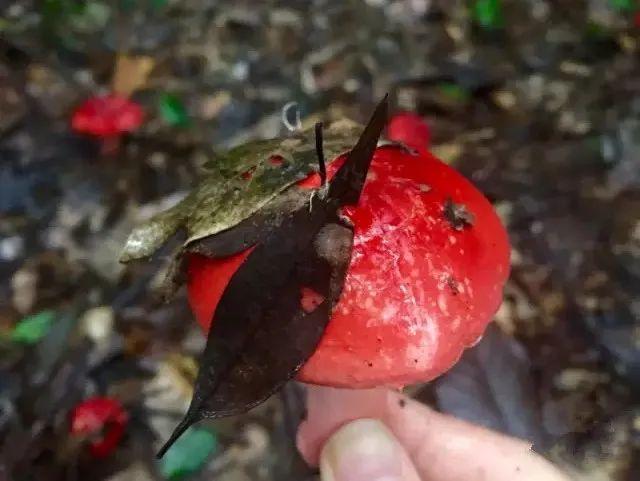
{"points": [[409, 129], [429, 262], [102, 421], [107, 117]]}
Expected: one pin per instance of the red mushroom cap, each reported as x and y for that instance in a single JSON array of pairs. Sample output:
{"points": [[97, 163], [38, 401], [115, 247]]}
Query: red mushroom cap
{"points": [[410, 129], [100, 415], [107, 116], [429, 262]]}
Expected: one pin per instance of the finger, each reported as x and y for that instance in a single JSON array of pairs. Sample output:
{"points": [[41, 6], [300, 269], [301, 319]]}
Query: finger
{"points": [[328, 409], [441, 447], [365, 450], [445, 448]]}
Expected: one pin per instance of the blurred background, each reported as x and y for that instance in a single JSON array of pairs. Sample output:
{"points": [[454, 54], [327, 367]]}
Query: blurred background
{"points": [[538, 102]]}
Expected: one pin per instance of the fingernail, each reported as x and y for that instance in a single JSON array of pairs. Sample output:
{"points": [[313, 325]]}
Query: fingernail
{"points": [[363, 450]]}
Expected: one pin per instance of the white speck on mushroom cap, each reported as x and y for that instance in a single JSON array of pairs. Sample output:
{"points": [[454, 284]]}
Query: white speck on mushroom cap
{"points": [[420, 351], [467, 284], [368, 304], [442, 303], [389, 312]]}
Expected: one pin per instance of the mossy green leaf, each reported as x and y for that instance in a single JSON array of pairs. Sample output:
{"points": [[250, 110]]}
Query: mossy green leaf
{"points": [[147, 238], [239, 184]]}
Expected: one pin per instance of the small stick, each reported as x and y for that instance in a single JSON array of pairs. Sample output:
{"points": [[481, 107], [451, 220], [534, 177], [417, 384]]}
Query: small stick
{"points": [[320, 152]]}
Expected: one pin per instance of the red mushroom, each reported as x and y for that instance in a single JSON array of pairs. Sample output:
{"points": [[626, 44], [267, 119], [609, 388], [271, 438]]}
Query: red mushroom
{"points": [[429, 261], [409, 128], [101, 419], [107, 117]]}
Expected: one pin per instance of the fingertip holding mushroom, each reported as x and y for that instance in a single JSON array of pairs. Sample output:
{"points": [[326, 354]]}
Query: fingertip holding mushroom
{"points": [[418, 290]]}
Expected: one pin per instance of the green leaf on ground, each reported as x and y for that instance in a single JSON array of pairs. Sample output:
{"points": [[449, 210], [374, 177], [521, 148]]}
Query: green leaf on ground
{"points": [[488, 13], [158, 4], [33, 328], [173, 110], [189, 453], [624, 5], [454, 92]]}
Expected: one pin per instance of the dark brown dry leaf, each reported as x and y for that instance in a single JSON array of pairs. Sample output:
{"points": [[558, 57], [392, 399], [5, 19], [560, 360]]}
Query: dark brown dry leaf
{"points": [[262, 331], [492, 386]]}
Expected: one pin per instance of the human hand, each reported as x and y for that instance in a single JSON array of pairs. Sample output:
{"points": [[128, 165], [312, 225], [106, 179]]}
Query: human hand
{"points": [[381, 435]]}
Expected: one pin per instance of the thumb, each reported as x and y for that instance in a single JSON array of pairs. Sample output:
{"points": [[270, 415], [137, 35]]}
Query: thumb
{"points": [[365, 450]]}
